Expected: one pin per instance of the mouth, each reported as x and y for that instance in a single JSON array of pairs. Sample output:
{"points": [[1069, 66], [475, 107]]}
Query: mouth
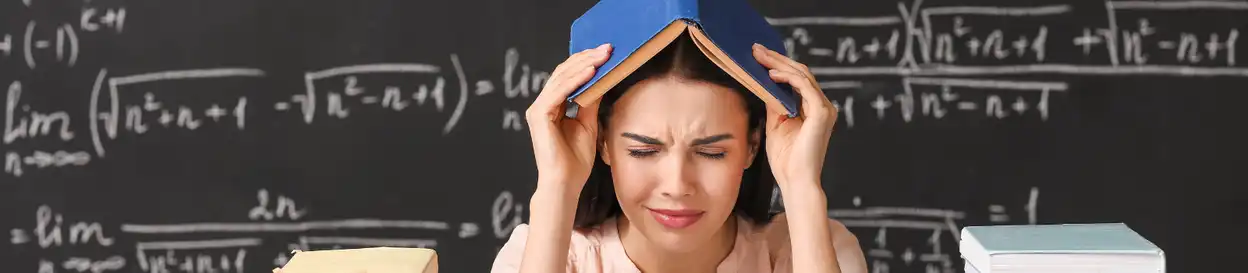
{"points": [[676, 219]]}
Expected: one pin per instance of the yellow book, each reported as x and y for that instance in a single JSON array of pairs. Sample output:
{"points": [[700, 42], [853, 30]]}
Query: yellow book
{"points": [[364, 260]]}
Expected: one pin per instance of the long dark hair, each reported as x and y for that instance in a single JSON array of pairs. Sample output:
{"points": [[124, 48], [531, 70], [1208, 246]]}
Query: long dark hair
{"points": [[682, 59]]}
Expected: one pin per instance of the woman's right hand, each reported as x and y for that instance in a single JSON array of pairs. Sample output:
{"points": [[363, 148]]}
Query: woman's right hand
{"points": [[565, 148]]}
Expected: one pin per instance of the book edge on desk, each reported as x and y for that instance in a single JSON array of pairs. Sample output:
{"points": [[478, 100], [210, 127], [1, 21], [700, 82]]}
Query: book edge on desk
{"points": [[296, 264], [1140, 244]]}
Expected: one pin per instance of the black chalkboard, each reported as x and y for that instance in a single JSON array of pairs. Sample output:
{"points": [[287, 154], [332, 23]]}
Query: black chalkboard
{"points": [[216, 136]]}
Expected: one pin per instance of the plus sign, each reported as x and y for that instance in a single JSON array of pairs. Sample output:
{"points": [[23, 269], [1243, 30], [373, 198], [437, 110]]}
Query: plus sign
{"points": [[873, 48], [880, 104], [973, 45], [165, 118], [215, 112], [1087, 40], [1020, 106], [1020, 45], [1213, 45]]}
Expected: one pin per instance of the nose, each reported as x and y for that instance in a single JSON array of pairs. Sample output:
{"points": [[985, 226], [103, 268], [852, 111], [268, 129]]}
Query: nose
{"points": [[677, 177]]}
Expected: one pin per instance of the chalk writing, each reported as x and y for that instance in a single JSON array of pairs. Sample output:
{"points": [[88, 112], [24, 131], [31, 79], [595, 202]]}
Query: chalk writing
{"points": [[945, 98], [50, 231], [503, 207], [874, 225], [284, 208], [962, 41]]}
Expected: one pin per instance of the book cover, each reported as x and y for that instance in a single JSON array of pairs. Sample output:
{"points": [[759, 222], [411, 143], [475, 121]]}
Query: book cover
{"points": [[725, 30], [1060, 238]]}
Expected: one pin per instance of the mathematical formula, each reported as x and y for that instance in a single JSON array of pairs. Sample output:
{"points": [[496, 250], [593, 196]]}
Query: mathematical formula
{"points": [[233, 244], [938, 230], [132, 105], [969, 40], [936, 49]]}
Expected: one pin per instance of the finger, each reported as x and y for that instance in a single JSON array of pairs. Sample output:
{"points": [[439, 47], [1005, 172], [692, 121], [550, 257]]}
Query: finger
{"points": [[570, 62], [768, 60], [568, 72], [813, 100], [588, 115], [548, 104], [790, 63], [593, 57], [799, 67]]}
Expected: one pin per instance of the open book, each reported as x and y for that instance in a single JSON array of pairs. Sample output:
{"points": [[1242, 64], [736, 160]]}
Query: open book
{"points": [[724, 30]]}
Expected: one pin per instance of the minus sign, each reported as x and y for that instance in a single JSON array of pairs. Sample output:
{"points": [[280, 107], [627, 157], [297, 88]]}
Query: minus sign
{"points": [[42, 44], [281, 106], [369, 100]]}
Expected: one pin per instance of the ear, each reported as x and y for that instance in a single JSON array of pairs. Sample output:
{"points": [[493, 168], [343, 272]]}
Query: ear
{"points": [[755, 136]]}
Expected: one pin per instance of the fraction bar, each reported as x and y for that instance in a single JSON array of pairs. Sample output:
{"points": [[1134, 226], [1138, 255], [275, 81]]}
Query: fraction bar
{"points": [[1178, 5], [283, 227], [875, 212], [949, 70], [836, 20], [994, 84], [370, 242], [202, 244], [186, 74]]}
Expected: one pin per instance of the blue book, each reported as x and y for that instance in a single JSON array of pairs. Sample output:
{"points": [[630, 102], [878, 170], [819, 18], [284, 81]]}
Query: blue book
{"points": [[1100, 247], [725, 31]]}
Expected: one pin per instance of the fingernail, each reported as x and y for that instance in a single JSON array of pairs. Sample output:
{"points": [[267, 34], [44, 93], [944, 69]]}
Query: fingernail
{"points": [[773, 71], [757, 46], [603, 46]]}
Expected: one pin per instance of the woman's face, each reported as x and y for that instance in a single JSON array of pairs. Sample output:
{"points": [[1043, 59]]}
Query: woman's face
{"points": [[677, 149]]}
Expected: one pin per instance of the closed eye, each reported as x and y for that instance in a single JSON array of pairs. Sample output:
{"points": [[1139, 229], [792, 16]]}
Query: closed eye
{"points": [[712, 152], [640, 153], [715, 155]]}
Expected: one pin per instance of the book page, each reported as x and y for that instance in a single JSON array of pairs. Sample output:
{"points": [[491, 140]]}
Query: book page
{"points": [[724, 62], [632, 62]]}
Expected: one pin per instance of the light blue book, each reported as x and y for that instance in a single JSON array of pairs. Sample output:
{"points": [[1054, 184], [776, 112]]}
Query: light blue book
{"points": [[1106, 247]]}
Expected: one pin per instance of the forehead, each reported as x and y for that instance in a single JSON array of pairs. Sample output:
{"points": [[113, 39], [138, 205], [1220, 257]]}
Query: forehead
{"points": [[670, 105]]}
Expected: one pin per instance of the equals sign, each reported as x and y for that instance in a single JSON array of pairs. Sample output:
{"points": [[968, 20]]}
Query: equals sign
{"points": [[997, 214]]}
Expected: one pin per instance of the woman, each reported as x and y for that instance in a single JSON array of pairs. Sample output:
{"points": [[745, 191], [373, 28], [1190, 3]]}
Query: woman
{"points": [[672, 171]]}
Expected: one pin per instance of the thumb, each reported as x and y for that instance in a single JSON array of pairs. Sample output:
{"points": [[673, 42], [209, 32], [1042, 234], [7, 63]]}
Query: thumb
{"points": [[587, 115]]}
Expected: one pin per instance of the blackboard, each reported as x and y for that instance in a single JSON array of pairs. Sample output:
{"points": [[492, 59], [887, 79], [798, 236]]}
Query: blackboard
{"points": [[216, 136]]}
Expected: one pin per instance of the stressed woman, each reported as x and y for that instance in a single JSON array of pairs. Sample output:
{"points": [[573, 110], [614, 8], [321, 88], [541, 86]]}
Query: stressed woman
{"points": [[673, 170]]}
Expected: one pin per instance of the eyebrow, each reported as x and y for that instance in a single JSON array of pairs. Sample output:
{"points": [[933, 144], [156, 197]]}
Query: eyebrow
{"points": [[711, 139], [642, 139], [700, 141]]}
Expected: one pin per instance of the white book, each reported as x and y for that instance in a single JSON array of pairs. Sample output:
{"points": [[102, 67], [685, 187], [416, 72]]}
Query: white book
{"points": [[1072, 248]]}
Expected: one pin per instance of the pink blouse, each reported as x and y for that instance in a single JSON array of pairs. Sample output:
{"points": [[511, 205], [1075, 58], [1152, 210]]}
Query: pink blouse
{"points": [[600, 251]]}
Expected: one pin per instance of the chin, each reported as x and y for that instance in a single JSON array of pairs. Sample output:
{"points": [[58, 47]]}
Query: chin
{"points": [[682, 240]]}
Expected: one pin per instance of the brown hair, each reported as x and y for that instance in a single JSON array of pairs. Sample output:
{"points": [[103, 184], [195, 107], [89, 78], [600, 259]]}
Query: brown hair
{"points": [[682, 59]]}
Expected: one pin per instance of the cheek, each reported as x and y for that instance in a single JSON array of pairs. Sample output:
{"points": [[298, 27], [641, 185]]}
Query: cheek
{"points": [[633, 179], [721, 181]]}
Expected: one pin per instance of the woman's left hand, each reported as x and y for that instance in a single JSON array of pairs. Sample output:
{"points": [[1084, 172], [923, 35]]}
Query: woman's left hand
{"points": [[796, 147]]}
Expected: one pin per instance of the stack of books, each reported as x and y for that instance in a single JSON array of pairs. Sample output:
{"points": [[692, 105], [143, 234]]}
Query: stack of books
{"points": [[1067, 248]]}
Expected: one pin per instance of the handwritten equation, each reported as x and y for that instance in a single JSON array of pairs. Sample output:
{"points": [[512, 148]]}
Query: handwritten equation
{"points": [[1135, 38], [58, 42], [888, 234], [230, 247], [933, 99], [124, 106]]}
